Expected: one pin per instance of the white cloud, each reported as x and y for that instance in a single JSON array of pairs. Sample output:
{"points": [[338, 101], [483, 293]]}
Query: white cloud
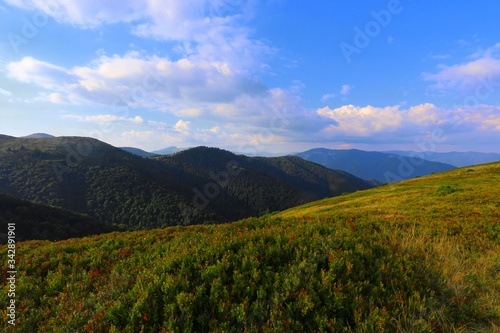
{"points": [[484, 117], [471, 74], [46, 75], [441, 56], [191, 112], [345, 89], [148, 16], [393, 123], [182, 127], [158, 125], [362, 121], [296, 127], [4, 92], [137, 119], [326, 97], [212, 30], [493, 123], [85, 14], [211, 75], [185, 88], [56, 98], [107, 118], [137, 134], [135, 138], [138, 80], [425, 114]]}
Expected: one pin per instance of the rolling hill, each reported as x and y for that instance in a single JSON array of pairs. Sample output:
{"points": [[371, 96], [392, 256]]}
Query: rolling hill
{"points": [[417, 256], [382, 167], [200, 185]]}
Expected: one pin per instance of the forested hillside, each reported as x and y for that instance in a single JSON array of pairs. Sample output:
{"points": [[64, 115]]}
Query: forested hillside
{"points": [[200, 185], [36, 221]]}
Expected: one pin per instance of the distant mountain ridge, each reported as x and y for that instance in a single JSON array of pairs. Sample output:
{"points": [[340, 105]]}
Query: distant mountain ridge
{"points": [[38, 136], [458, 159], [138, 152], [199, 185], [382, 167], [168, 150]]}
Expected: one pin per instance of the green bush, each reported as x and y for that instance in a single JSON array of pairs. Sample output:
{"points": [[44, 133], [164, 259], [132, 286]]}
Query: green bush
{"points": [[445, 190]]}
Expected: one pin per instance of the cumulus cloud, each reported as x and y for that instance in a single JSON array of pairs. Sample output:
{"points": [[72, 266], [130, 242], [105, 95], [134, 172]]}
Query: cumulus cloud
{"points": [[182, 127], [134, 79], [354, 120], [211, 73], [394, 123], [425, 114]]}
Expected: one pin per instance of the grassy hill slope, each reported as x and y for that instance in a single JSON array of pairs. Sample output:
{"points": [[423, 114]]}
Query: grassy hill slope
{"points": [[418, 256]]}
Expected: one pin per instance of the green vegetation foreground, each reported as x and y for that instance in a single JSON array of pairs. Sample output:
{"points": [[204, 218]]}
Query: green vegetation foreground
{"points": [[418, 256]]}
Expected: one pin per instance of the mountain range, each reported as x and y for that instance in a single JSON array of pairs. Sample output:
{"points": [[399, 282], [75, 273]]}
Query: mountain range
{"points": [[458, 159], [143, 153], [198, 185], [382, 167]]}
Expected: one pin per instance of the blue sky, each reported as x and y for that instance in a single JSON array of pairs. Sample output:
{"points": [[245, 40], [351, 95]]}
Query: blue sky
{"points": [[253, 75]]}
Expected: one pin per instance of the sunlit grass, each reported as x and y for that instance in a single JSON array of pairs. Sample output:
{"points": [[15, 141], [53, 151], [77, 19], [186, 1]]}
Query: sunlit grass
{"points": [[452, 219]]}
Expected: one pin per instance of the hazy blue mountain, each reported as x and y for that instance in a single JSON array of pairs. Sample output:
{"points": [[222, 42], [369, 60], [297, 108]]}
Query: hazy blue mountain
{"points": [[168, 150], [38, 136], [138, 152], [382, 167], [458, 159]]}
